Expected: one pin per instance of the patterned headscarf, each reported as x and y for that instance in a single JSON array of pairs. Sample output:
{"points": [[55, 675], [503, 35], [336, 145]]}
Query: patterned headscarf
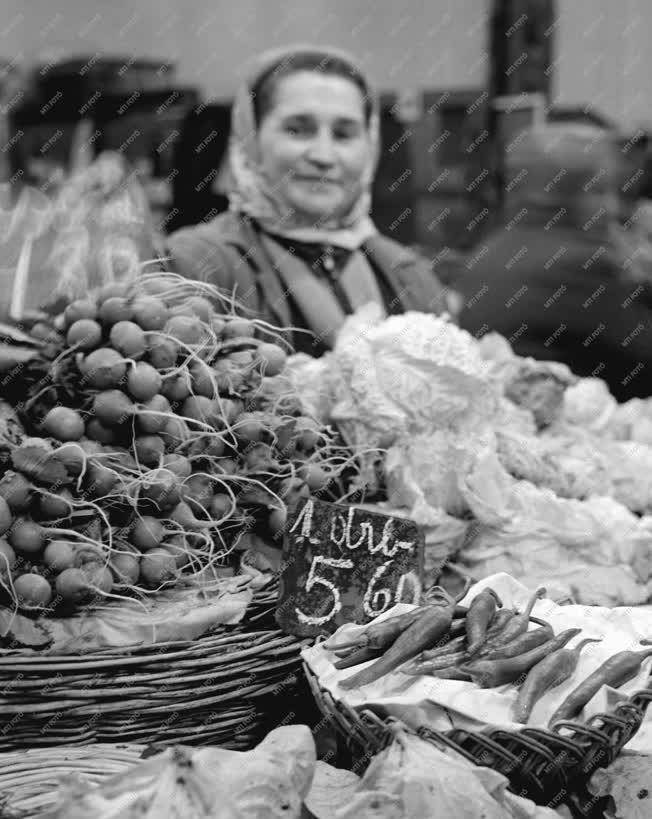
{"points": [[249, 193]]}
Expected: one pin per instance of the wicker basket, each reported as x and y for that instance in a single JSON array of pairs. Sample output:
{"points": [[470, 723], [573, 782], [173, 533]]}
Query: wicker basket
{"points": [[548, 767], [29, 779], [209, 690]]}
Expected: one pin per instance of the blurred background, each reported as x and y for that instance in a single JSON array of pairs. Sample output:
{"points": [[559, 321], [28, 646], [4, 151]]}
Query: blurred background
{"points": [[458, 78]]}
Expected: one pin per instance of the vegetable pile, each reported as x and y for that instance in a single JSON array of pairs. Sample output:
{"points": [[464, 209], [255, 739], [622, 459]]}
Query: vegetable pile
{"points": [[485, 644], [162, 439]]}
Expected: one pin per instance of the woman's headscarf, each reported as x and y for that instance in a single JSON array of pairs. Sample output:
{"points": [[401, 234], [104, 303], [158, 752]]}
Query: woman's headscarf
{"points": [[249, 192]]}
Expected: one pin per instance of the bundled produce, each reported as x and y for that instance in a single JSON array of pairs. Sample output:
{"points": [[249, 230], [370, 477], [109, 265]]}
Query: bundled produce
{"points": [[270, 781], [161, 438]]}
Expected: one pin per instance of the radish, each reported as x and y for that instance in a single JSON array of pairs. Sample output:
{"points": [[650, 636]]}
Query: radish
{"points": [[182, 310], [161, 488], [8, 559], [6, 518], [143, 381], [99, 577], [198, 488], [260, 457], [32, 591], [314, 476], [201, 307], [162, 352], [125, 568], [55, 507], [112, 408], [309, 437], [183, 515], [177, 464], [150, 312], [16, 490], [271, 359], [239, 328], [96, 431], [81, 309], [114, 310], [250, 428], [203, 379], [113, 290], [227, 466], [59, 555], [91, 447], [103, 368], [241, 358], [178, 547], [277, 520], [84, 335], [200, 408], [100, 480], [220, 506], [187, 329], [174, 433], [27, 537], [72, 586], [64, 424], [147, 533], [151, 415], [177, 387], [129, 339], [71, 456], [217, 326], [157, 567], [149, 449]]}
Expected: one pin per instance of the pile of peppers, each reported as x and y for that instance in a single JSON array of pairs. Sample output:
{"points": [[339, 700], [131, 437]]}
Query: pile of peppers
{"points": [[487, 644]]}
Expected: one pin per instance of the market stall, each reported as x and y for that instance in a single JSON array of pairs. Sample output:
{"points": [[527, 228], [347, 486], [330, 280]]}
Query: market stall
{"points": [[187, 511]]}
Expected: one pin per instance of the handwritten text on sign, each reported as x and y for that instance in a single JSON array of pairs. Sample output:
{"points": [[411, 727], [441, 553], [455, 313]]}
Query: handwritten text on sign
{"points": [[344, 564]]}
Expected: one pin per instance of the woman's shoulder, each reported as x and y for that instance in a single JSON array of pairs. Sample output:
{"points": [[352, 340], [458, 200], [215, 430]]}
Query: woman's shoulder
{"points": [[226, 228], [212, 251]]}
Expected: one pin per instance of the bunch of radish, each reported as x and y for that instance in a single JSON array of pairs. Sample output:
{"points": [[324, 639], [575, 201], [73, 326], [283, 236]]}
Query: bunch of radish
{"points": [[164, 439]]}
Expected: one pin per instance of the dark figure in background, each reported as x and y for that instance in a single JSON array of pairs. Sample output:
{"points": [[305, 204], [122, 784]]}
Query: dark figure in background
{"points": [[298, 246], [555, 279]]}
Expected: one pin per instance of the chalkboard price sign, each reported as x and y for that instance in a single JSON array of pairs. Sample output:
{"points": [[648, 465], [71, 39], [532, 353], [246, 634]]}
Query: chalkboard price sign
{"points": [[342, 564]]}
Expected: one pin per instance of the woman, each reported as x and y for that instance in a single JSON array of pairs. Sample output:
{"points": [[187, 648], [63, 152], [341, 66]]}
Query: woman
{"points": [[298, 246], [554, 279]]}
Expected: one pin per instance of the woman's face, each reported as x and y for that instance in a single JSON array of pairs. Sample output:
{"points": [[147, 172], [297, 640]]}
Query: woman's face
{"points": [[314, 144]]}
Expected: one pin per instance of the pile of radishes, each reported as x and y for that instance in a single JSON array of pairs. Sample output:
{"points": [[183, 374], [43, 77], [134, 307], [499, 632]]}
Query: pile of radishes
{"points": [[164, 437]]}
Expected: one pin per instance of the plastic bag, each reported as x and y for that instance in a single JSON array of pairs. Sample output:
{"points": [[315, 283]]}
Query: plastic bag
{"points": [[413, 779]]}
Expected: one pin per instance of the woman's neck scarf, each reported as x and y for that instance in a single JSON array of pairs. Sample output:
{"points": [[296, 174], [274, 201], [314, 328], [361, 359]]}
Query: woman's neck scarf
{"points": [[251, 195]]}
